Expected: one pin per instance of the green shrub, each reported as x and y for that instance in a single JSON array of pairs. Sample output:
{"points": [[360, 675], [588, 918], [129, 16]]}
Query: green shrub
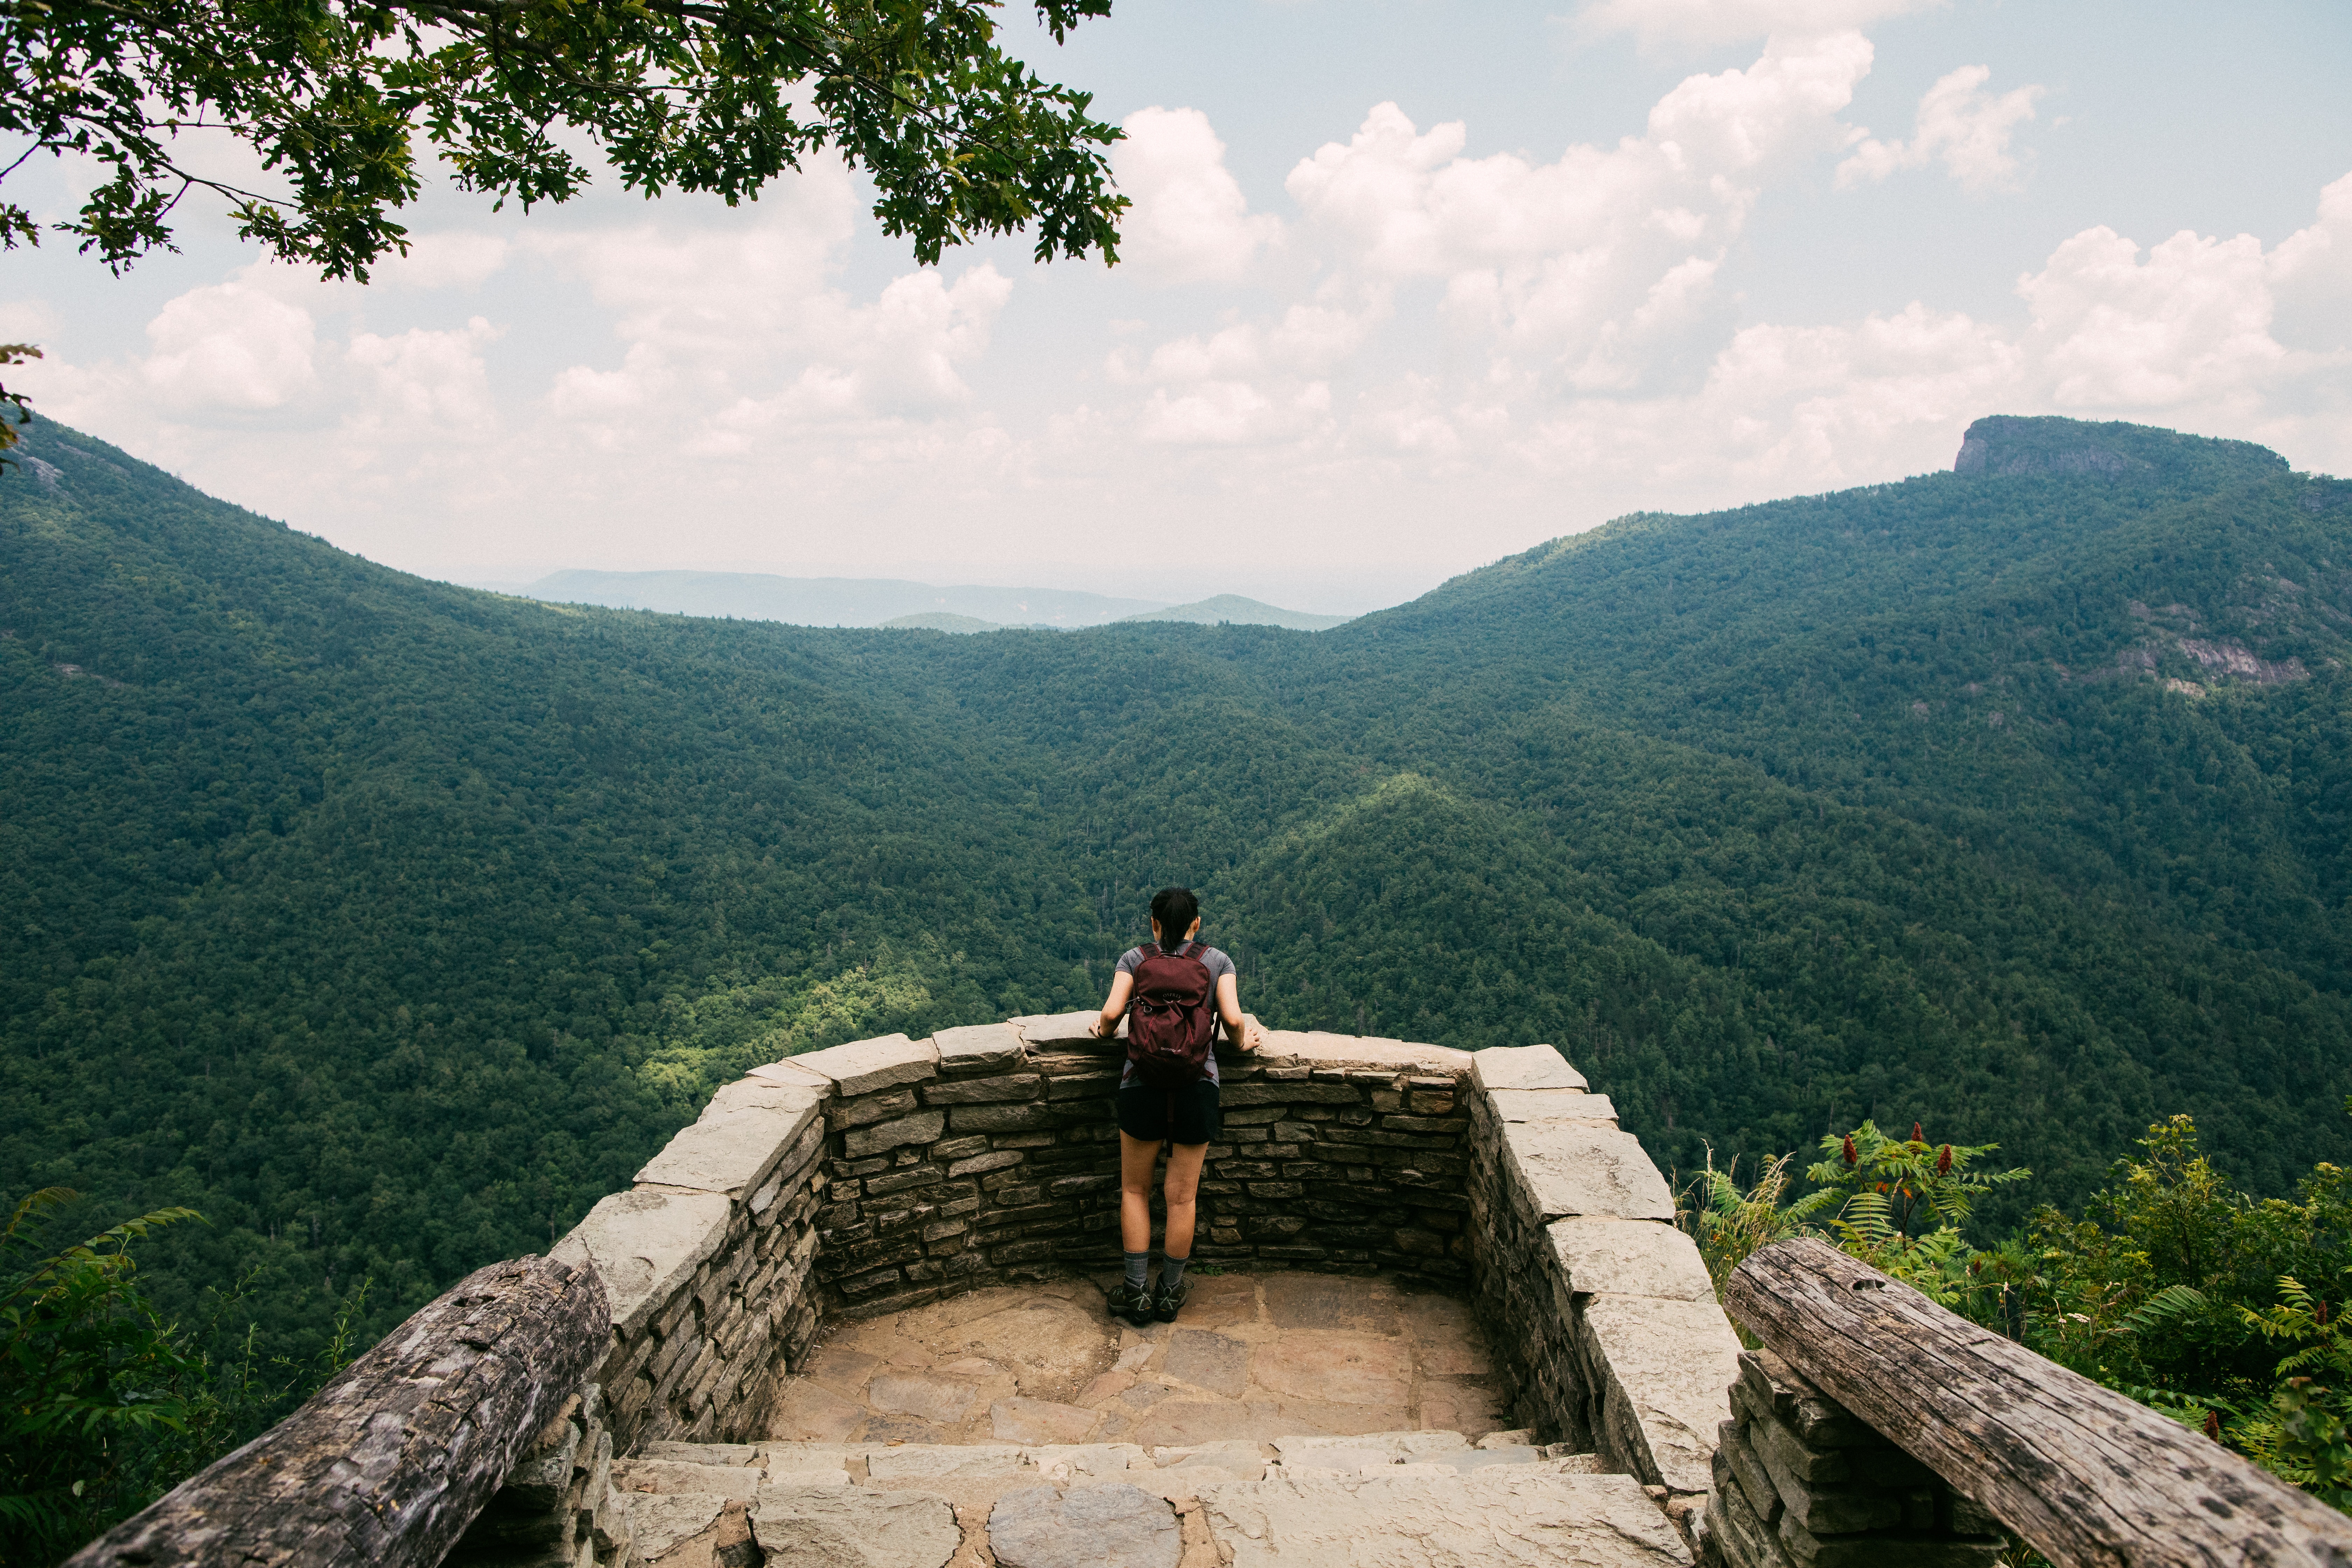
{"points": [[86, 1367], [2171, 1286], [104, 1407]]}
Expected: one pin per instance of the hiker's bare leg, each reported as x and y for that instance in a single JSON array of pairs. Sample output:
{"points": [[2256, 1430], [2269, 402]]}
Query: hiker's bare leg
{"points": [[1136, 1158], [1183, 1186]]}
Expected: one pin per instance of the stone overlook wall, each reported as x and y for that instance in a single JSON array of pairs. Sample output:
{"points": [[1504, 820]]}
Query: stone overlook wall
{"points": [[1601, 1307], [992, 1157], [890, 1172]]}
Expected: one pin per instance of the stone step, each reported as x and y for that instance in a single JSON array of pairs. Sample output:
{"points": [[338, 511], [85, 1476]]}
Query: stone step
{"points": [[1441, 1498], [1505, 1516]]}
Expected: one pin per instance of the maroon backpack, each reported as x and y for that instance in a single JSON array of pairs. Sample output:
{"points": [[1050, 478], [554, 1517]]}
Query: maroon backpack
{"points": [[1172, 1019]]}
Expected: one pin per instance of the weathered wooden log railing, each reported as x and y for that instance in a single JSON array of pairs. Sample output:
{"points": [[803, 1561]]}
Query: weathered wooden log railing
{"points": [[391, 1461], [2083, 1473]]}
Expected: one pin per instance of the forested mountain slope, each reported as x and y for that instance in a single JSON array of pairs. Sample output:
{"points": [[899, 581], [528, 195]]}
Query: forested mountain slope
{"points": [[392, 923]]}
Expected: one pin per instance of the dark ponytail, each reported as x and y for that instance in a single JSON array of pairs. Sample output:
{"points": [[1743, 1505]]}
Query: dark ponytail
{"points": [[1175, 909]]}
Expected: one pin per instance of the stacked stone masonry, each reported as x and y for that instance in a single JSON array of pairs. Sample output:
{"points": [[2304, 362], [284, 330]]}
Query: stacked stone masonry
{"points": [[890, 1172], [1800, 1483], [559, 1507]]}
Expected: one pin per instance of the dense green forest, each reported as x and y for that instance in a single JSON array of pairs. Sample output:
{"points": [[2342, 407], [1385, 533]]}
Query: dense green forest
{"points": [[391, 924]]}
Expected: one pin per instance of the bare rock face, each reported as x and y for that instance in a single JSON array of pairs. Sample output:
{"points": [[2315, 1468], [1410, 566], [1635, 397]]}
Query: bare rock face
{"points": [[851, 1527], [1112, 1526], [2003, 445]]}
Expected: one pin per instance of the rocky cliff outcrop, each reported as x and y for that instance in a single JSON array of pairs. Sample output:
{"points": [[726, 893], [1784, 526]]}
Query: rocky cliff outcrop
{"points": [[2006, 445]]}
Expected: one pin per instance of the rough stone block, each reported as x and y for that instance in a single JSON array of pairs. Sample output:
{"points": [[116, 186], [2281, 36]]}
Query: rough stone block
{"points": [[1523, 1067], [1026, 1117], [1797, 1464], [736, 1481], [904, 1180], [984, 1091], [1448, 1125], [658, 1522], [1667, 1368], [865, 1110], [1630, 1257], [979, 1048], [1745, 1540], [647, 1244], [945, 1461], [733, 1152], [1562, 1169], [1077, 1086], [854, 1527], [792, 1074], [1779, 1391], [1242, 1094], [864, 1065], [1087, 1527], [1747, 1472], [1379, 1060], [922, 1127], [1550, 1105], [978, 1164], [1488, 1519], [762, 1094], [1064, 1032]]}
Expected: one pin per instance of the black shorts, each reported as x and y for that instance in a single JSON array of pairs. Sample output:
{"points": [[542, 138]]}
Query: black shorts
{"points": [[1143, 1112]]}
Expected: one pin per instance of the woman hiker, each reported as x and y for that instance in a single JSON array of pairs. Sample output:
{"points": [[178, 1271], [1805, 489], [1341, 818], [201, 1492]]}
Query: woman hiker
{"points": [[1173, 993]]}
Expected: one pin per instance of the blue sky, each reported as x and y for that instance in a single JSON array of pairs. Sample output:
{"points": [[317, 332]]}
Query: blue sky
{"points": [[1408, 286]]}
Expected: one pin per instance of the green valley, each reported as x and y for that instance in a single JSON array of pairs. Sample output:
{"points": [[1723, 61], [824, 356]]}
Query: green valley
{"points": [[390, 923]]}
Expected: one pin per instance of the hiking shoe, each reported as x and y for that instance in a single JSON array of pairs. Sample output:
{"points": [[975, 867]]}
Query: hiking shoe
{"points": [[1132, 1302], [1166, 1304]]}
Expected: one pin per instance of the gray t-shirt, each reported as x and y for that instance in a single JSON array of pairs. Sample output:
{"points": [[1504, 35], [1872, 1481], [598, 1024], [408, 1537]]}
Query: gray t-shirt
{"points": [[1218, 966]]}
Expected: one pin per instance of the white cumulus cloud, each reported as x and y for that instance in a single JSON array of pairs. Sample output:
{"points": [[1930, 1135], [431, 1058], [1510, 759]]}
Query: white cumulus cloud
{"points": [[1960, 125], [1190, 222], [422, 379], [231, 346], [2190, 324]]}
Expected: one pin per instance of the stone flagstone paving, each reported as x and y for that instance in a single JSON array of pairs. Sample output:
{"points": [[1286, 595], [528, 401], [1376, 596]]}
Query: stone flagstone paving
{"points": [[1253, 1356]]}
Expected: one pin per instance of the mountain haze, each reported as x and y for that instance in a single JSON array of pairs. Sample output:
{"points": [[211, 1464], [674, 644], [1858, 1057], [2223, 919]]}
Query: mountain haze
{"points": [[1236, 610], [391, 923], [823, 600]]}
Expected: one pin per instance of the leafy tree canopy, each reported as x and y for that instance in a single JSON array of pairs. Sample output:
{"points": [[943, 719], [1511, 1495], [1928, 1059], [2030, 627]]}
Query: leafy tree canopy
{"points": [[391, 924], [961, 139]]}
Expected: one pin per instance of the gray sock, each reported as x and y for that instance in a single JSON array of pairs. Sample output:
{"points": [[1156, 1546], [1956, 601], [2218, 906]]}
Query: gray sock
{"points": [[1138, 1265], [1171, 1272]]}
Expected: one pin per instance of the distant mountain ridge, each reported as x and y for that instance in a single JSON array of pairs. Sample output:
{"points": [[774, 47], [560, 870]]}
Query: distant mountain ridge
{"points": [[885, 602], [1224, 610], [821, 601], [1233, 609]]}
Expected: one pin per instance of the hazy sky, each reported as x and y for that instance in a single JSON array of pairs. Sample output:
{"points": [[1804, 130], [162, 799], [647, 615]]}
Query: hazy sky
{"points": [[1407, 287]]}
